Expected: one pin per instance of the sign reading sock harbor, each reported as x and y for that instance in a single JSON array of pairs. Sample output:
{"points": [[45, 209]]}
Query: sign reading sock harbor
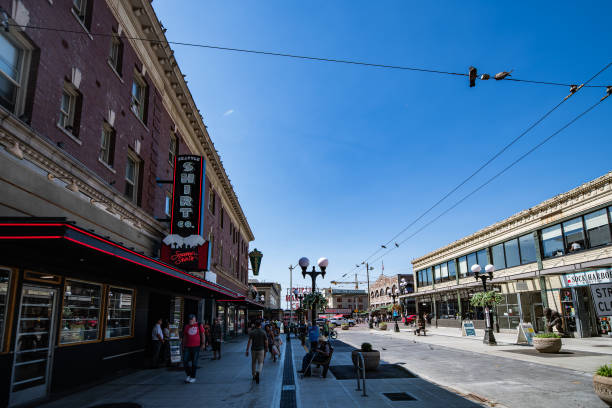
{"points": [[185, 246]]}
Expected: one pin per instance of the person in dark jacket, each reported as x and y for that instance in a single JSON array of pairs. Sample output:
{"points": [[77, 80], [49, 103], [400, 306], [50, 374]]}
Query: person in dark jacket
{"points": [[217, 335]]}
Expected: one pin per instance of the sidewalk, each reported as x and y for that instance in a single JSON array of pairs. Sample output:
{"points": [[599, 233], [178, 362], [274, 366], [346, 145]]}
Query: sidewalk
{"points": [[584, 355], [220, 383]]}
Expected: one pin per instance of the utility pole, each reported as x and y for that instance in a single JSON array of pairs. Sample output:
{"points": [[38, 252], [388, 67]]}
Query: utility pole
{"points": [[290, 294], [356, 283]]}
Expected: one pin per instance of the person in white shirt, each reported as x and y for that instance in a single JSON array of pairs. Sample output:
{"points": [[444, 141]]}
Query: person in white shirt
{"points": [[157, 340]]}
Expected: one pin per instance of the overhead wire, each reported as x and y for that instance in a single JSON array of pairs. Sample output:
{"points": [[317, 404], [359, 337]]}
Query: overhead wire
{"points": [[280, 54], [479, 169]]}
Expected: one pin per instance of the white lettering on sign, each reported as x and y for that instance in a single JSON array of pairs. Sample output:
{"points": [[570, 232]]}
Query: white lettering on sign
{"points": [[571, 280], [602, 299]]}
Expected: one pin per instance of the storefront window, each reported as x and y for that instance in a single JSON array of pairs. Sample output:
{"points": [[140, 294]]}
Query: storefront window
{"points": [[80, 312], [119, 312], [528, 251], [499, 261], [463, 266], [512, 253], [5, 280], [437, 273], [552, 241], [508, 312], [231, 316], [452, 270], [429, 277], [574, 235], [221, 317], [482, 259], [597, 228], [444, 272], [471, 261], [567, 309]]}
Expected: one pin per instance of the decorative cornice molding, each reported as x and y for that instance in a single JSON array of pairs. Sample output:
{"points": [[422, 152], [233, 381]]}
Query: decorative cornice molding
{"points": [[547, 209]]}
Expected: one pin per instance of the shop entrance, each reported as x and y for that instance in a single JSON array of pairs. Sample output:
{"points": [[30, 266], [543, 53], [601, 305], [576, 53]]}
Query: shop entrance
{"points": [[33, 344], [537, 314]]}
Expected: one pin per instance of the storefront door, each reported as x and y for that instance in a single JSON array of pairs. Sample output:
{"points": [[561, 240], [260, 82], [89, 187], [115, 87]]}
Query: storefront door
{"points": [[33, 344], [537, 314]]}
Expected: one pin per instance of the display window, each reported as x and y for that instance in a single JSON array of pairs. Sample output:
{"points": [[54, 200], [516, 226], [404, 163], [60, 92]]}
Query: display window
{"points": [[81, 307], [119, 313], [5, 290], [568, 310]]}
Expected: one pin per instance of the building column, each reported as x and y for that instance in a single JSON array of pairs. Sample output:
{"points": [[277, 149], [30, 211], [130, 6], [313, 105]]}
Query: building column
{"points": [[459, 305]]}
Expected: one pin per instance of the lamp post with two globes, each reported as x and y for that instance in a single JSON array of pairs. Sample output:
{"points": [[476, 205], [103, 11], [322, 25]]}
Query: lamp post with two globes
{"points": [[489, 338], [322, 262], [395, 313]]}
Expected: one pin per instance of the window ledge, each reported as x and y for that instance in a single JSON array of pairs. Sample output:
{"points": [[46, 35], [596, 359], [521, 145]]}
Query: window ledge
{"points": [[108, 166], [140, 120], [70, 135], [81, 23], [114, 70]]}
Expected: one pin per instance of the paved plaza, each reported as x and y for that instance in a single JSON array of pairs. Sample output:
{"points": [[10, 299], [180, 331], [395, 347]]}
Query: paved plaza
{"points": [[447, 370]]}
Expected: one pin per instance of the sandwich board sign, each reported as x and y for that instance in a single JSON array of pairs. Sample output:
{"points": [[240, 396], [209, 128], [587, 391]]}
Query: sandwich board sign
{"points": [[602, 298], [467, 328], [525, 334]]}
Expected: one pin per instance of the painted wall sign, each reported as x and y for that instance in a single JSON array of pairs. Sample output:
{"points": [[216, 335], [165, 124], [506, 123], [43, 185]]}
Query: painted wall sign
{"points": [[185, 247], [586, 278], [602, 299]]}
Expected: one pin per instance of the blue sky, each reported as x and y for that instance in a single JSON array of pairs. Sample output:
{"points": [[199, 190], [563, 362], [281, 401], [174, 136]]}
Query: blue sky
{"points": [[333, 160]]}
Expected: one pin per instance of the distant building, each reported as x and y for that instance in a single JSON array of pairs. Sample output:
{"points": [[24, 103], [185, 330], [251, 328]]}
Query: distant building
{"points": [[380, 289], [271, 292], [345, 301]]}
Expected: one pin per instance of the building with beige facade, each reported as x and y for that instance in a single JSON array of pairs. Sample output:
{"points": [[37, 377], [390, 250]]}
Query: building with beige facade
{"points": [[546, 256]]}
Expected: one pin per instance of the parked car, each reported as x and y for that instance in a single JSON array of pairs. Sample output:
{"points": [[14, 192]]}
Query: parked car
{"points": [[351, 322], [338, 321]]}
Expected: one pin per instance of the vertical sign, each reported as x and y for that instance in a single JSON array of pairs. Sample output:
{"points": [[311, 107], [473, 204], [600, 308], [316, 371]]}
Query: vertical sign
{"points": [[185, 246], [602, 299]]}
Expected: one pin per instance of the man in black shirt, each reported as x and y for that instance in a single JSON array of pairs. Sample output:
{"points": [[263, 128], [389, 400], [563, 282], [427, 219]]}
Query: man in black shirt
{"points": [[258, 344]]}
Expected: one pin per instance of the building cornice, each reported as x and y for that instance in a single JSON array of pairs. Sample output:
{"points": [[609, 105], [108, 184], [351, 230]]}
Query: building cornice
{"points": [[541, 214], [139, 20]]}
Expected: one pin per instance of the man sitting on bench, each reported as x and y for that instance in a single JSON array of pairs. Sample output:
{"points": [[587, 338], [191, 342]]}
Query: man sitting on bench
{"points": [[318, 354]]}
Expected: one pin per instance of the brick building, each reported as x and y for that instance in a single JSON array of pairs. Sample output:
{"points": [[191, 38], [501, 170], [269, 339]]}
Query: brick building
{"points": [[379, 289], [92, 119]]}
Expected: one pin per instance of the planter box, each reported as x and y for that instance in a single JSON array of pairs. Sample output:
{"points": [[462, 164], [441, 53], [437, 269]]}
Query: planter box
{"points": [[381, 327], [547, 345], [603, 388], [370, 358]]}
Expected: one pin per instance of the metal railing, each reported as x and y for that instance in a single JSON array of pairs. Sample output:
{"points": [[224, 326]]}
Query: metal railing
{"points": [[360, 368]]}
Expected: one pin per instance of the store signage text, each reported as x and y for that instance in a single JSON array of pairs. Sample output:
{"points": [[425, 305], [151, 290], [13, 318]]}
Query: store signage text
{"points": [[571, 280], [602, 299]]}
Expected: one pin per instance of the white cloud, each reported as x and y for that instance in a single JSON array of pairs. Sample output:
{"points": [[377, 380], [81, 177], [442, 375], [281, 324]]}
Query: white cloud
{"points": [[228, 112]]}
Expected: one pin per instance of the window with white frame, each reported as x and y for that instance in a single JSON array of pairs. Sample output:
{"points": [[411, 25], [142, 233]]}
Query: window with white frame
{"points": [[139, 94], [80, 312], [69, 109], [115, 56], [119, 312], [13, 63], [107, 144], [82, 11], [132, 170], [212, 198], [5, 284]]}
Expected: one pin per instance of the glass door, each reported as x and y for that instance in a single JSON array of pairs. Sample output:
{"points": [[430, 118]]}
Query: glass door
{"points": [[33, 344]]}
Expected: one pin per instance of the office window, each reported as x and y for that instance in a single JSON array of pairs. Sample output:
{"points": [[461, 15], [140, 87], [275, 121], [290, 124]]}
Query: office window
{"points": [[115, 56], [528, 249], [70, 110], [221, 216], [172, 149], [463, 266], [499, 260], [13, 64], [212, 198], [221, 253], [168, 204], [437, 275], [444, 272], [82, 11], [429, 276], [119, 312], [132, 170], [80, 312], [139, 95], [552, 241], [452, 270], [574, 235], [471, 261], [512, 253], [482, 259], [107, 144], [597, 228]]}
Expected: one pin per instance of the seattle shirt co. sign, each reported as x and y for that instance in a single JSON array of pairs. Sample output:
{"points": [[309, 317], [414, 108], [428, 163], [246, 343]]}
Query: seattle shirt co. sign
{"points": [[187, 195]]}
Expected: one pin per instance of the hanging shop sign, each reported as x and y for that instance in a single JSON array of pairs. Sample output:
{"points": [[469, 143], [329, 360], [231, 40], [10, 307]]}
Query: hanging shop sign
{"points": [[602, 299], [586, 278], [255, 257], [185, 247]]}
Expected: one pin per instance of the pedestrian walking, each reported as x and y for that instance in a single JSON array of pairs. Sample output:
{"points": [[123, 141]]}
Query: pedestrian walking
{"points": [[193, 341], [207, 334], [257, 344], [216, 333], [157, 341]]}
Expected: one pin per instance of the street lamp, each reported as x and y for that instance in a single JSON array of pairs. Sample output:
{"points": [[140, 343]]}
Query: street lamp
{"points": [[300, 297], [394, 295], [489, 338], [322, 262]]}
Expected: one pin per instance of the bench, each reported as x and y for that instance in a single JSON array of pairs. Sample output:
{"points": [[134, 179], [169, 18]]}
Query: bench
{"points": [[324, 363]]}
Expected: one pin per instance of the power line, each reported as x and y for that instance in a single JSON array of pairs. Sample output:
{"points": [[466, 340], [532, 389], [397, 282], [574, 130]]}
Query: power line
{"points": [[285, 55], [568, 124], [495, 156]]}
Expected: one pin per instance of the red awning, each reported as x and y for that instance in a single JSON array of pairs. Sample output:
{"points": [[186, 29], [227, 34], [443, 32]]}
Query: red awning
{"points": [[338, 316]]}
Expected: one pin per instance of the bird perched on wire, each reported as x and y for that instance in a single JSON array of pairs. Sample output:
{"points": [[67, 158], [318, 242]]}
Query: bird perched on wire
{"points": [[357, 265], [502, 75], [383, 246], [473, 73], [396, 245]]}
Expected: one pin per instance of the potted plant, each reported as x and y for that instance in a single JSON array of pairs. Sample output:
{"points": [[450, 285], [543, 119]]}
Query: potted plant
{"points": [[602, 383], [371, 358], [345, 326], [547, 342], [382, 326]]}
